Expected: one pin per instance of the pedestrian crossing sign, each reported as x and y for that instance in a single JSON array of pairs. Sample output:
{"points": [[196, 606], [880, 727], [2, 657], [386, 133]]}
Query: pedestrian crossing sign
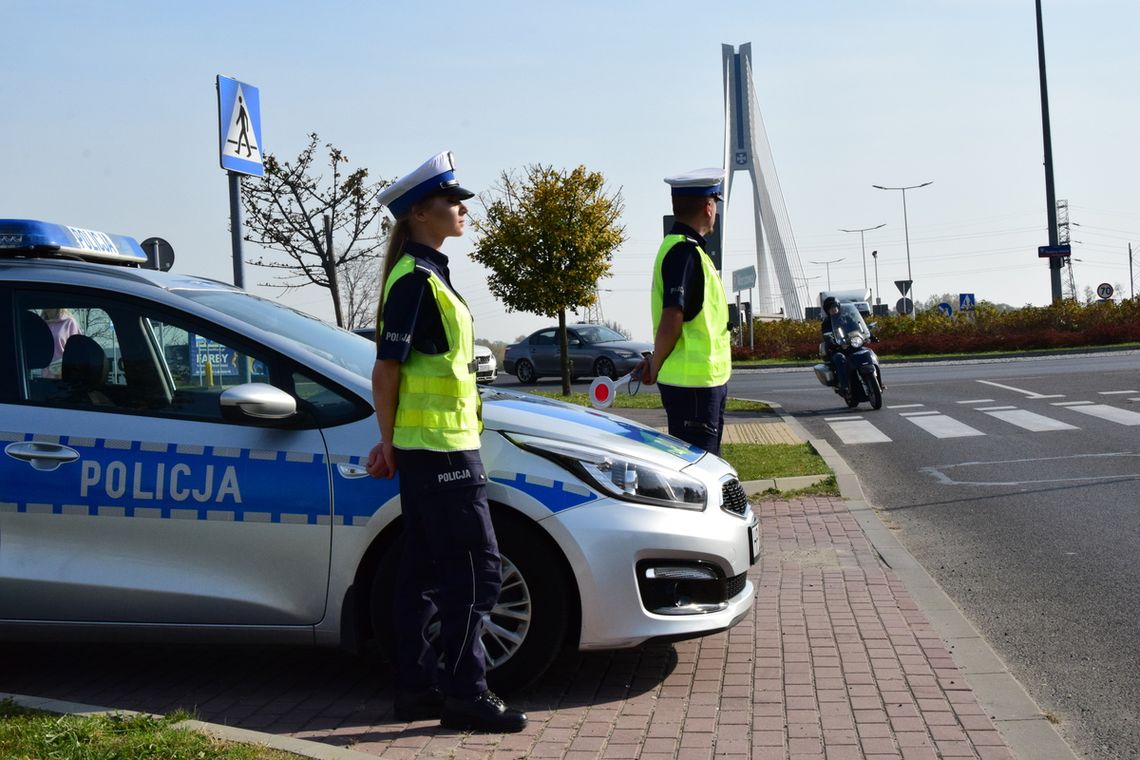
{"points": [[239, 127]]}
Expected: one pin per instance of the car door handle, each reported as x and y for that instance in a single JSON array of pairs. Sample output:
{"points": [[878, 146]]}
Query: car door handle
{"points": [[350, 471], [41, 456]]}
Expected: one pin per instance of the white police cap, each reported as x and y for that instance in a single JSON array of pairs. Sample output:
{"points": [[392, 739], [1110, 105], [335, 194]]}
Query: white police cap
{"points": [[436, 176], [697, 183]]}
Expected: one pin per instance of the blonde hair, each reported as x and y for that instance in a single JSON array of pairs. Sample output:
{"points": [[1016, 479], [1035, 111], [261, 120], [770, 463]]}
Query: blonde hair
{"points": [[396, 240]]}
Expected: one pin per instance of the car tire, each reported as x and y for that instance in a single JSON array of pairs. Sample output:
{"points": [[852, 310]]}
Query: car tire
{"points": [[532, 615], [524, 371], [527, 627], [604, 367]]}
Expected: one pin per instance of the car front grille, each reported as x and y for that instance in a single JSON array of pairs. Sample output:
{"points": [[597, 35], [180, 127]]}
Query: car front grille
{"points": [[733, 498], [735, 585]]}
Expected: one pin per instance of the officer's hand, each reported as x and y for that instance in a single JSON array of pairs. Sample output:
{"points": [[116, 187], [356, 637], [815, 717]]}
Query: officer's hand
{"points": [[644, 371], [381, 461]]}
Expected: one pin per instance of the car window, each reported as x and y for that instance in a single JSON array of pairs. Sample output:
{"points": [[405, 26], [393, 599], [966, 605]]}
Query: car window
{"points": [[599, 334], [543, 338], [106, 354]]}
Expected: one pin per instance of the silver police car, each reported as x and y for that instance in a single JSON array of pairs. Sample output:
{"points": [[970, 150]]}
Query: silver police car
{"points": [[182, 459]]}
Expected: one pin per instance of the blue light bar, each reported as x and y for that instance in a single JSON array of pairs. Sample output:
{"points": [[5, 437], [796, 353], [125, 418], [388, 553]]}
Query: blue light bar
{"points": [[30, 235]]}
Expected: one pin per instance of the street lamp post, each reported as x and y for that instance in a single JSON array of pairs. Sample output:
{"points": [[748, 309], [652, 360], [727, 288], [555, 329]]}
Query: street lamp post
{"points": [[906, 233], [875, 258], [828, 264], [863, 247]]}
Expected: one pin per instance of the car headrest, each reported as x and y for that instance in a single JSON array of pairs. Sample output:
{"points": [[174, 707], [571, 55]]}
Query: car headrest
{"points": [[35, 337], [84, 361]]}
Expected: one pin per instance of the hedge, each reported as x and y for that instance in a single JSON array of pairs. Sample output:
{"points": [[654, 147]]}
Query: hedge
{"points": [[1061, 325]]}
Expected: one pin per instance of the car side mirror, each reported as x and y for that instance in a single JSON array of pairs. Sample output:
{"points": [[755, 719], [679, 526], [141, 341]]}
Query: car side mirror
{"points": [[259, 401]]}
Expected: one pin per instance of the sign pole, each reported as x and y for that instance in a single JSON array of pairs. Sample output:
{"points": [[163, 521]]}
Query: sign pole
{"points": [[235, 226], [751, 330]]}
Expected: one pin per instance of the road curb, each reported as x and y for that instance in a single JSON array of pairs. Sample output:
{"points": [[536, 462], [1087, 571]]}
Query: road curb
{"points": [[299, 747], [1017, 717]]}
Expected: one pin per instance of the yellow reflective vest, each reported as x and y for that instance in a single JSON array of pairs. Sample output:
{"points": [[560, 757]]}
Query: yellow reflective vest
{"points": [[439, 408], [702, 357]]}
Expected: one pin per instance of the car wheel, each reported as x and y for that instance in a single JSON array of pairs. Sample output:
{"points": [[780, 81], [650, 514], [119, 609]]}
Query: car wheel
{"points": [[524, 371], [525, 630], [604, 367]]}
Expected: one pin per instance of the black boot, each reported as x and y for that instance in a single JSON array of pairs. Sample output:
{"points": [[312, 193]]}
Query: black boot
{"points": [[485, 712], [419, 705]]}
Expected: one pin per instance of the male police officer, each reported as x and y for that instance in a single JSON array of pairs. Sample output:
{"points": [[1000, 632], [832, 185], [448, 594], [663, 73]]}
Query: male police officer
{"points": [[691, 359]]}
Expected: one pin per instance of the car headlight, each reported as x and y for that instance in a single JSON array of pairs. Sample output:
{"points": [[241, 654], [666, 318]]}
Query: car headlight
{"points": [[619, 475], [625, 353]]}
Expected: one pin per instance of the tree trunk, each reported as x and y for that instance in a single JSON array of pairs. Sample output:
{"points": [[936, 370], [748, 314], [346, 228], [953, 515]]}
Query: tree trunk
{"points": [[563, 354], [330, 269]]}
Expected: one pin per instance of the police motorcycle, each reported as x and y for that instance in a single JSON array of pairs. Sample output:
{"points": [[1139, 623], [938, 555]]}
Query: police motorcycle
{"points": [[849, 338]]}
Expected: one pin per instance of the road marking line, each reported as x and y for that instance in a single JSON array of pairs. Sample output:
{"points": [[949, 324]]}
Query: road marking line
{"points": [[941, 426], [918, 414], [1030, 420], [850, 418], [978, 401], [1110, 413], [1028, 394], [858, 431], [1071, 403], [904, 406], [994, 408], [1117, 393]]}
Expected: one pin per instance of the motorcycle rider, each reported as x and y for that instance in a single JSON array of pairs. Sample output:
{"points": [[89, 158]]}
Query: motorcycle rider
{"points": [[835, 356]]}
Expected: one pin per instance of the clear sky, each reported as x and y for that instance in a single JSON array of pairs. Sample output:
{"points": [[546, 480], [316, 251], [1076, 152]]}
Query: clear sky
{"points": [[110, 122]]}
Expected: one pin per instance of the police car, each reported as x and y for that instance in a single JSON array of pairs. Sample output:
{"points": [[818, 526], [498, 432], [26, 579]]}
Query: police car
{"points": [[183, 459]]}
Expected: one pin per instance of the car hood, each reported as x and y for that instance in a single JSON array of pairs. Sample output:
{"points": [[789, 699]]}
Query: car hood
{"points": [[510, 411]]}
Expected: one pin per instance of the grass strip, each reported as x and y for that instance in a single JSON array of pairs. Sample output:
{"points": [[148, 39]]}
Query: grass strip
{"points": [[755, 461], [33, 735], [623, 400]]}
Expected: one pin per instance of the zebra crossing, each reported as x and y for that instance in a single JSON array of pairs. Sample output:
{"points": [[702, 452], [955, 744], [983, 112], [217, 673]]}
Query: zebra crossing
{"points": [[855, 429]]}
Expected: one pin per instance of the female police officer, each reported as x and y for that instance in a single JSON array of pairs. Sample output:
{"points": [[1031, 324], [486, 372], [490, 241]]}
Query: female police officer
{"points": [[428, 408]]}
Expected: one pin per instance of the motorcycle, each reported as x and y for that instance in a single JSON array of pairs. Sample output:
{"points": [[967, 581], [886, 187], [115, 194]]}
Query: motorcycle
{"points": [[849, 339]]}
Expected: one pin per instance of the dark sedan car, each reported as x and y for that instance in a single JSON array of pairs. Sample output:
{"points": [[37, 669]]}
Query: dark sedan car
{"points": [[595, 350]]}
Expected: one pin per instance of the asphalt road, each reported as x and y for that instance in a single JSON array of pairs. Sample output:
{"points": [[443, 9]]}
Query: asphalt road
{"points": [[1014, 483]]}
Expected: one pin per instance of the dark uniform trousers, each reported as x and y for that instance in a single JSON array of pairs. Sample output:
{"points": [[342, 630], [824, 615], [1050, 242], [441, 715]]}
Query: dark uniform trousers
{"points": [[450, 563], [696, 415]]}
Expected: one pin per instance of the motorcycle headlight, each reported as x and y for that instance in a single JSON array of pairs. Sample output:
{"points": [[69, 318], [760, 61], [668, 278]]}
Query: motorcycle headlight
{"points": [[856, 340], [618, 475]]}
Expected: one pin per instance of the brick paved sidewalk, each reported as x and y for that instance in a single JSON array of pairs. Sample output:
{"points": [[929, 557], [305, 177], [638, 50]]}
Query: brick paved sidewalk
{"points": [[834, 662]]}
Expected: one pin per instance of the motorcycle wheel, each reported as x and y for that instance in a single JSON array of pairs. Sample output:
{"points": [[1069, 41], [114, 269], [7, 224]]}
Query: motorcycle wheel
{"points": [[874, 391], [850, 398]]}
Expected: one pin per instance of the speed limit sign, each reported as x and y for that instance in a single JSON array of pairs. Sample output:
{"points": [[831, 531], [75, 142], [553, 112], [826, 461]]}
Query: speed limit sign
{"points": [[1104, 291]]}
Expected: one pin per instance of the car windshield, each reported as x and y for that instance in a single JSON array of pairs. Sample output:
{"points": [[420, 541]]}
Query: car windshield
{"points": [[341, 347], [598, 334]]}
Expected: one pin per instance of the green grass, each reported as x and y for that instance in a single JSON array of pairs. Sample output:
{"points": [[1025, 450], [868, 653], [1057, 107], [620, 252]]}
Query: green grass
{"points": [[755, 461], [34, 735], [826, 487], [623, 400]]}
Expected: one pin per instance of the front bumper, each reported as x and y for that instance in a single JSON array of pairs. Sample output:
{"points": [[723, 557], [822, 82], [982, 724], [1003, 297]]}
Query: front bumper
{"points": [[646, 572]]}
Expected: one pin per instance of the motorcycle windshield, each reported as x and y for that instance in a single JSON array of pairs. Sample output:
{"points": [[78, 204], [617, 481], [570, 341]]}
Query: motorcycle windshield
{"points": [[851, 321]]}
